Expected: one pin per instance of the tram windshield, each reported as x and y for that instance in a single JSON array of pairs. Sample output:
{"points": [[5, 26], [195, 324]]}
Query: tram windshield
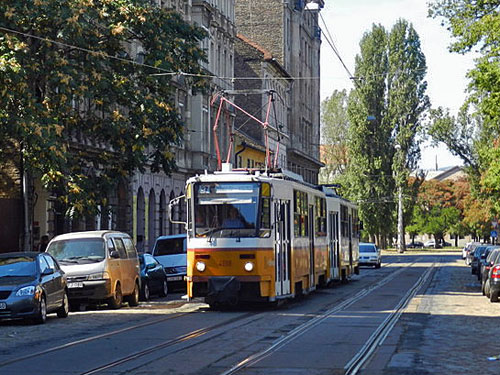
{"points": [[226, 209]]}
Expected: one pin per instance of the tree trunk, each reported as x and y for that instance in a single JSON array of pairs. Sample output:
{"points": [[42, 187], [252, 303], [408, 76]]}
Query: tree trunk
{"points": [[401, 231]]}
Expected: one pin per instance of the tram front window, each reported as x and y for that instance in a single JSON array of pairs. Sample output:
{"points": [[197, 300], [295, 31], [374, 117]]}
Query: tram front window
{"points": [[226, 209]]}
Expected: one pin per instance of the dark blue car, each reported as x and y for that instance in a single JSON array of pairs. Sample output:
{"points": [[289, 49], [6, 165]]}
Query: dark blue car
{"points": [[31, 286], [153, 277]]}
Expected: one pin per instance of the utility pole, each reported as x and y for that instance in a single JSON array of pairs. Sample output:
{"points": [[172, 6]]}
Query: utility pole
{"points": [[400, 157]]}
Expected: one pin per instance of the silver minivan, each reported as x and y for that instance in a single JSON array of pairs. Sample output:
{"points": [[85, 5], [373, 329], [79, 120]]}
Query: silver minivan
{"points": [[101, 266]]}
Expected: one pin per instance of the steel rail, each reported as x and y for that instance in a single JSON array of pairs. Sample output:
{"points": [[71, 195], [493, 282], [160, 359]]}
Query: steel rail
{"points": [[180, 339], [303, 328], [383, 330], [89, 339]]}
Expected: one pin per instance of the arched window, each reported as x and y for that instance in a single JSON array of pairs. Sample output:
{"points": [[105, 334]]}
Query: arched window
{"points": [[162, 214], [141, 222], [170, 224], [151, 219]]}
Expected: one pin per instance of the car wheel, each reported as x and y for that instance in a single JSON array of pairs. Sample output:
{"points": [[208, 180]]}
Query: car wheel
{"points": [[42, 311], [145, 294], [487, 288], [378, 264], [133, 299], [493, 296], [64, 309], [482, 288], [164, 290], [115, 302]]}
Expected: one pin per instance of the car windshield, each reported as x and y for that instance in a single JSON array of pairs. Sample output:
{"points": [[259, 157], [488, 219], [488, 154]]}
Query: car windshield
{"points": [[367, 248], [78, 250], [17, 266], [169, 246]]}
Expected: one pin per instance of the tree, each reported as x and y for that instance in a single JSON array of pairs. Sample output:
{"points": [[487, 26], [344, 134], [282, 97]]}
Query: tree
{"points": [[407, 102], [334, 126], [476, 24], [437, 209], [369, 176], [80, 100], [385, 110]]}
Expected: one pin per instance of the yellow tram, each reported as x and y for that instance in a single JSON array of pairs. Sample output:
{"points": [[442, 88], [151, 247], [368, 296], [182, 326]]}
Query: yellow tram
{"points": [[264, 236]]}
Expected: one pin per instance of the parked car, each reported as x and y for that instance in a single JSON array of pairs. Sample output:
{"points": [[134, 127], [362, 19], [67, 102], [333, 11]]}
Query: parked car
{"points": [[470, 252], [484, 260], [171, 252], [492, 285], [474, 264], [492, 259], [415, 245], [433, 244], [32, 285], [153, 277], [445, 244], [101, 266], [369, 255]]}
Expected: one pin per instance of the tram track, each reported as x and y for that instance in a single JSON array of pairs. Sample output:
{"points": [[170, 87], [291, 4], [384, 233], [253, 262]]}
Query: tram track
{"points": [[319, 316], [90, 339], [310, 324]]}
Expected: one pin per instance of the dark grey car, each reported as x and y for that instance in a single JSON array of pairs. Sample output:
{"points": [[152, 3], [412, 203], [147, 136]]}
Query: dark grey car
{"points": [[31, 286]]}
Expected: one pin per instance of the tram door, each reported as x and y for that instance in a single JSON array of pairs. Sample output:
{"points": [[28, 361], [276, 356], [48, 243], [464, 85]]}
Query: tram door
{"points": [[282, 247], [334, 244], [350, 243], [311, 245]]}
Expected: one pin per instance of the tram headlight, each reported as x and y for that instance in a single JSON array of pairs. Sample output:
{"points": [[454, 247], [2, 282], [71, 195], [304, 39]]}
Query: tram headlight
{"points": [[200, 266], [249, 266]]}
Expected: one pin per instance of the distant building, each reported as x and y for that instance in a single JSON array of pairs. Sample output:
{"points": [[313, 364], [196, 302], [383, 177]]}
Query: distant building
{"points": [[290, 32], [447, 173], [253, 95]]}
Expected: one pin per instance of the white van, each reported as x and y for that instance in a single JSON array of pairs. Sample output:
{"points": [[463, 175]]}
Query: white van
{"points": [[101, 266], [170, 251]]}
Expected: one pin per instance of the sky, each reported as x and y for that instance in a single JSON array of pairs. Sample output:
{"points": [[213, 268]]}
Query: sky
{"points": [[348, 20]]}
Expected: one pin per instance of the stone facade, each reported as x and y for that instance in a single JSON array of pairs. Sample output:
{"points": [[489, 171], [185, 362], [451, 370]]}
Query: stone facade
{"points": [[291, 33], [252, 60]]}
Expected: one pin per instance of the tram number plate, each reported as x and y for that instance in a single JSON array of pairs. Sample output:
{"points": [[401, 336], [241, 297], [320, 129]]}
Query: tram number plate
{"points": [[225, 263], [75, 285], [3, 306]]}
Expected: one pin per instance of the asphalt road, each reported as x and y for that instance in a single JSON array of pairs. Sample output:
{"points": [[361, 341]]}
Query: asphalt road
{"points": [[418, 314]]}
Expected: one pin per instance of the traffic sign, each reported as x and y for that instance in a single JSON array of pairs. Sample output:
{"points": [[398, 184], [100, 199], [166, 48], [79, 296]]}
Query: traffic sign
{"points": [[494, 234]]}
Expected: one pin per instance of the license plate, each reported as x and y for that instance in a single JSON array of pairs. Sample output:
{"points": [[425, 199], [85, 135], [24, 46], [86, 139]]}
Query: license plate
{"points": [[3, 306], [175, 278], [75, 285]]}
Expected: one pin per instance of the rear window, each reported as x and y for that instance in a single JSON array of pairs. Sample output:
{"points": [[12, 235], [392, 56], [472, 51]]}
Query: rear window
{"points": [[367, 249], [169, 246]]}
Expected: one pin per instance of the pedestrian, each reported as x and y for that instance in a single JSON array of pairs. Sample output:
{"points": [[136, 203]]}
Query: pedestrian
{"points": [[44, 241]]}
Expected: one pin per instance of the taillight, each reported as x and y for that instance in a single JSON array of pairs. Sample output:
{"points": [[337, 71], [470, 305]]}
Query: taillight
{"points": [[495, 272]]}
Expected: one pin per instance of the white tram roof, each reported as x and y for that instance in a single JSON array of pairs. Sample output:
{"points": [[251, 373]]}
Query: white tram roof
{"points": [[249, 175]]}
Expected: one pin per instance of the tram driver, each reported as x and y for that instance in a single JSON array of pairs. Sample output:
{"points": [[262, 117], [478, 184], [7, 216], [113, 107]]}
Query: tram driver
{"points": [[234, 219]]}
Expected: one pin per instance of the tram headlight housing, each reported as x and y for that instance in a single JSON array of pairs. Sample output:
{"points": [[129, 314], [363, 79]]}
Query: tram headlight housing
{"points": [[201, 266], [249, 266]]}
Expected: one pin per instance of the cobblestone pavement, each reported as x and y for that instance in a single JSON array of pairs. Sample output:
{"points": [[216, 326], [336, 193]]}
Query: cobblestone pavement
{"points": [[450, 329], [16, 334]]}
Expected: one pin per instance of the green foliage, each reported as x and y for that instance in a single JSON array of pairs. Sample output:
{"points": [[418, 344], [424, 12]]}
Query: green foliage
{"points": [[73, 99], [476, 24], [385, 109], [334, 127]]}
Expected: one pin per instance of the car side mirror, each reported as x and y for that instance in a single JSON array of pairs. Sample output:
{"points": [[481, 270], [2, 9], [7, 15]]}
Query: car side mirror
{"points": [[48, 271], [150, 266], [114, 254]]}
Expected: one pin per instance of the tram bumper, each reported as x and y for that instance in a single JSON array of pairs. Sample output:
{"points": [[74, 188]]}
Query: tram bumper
{"points": [[223, 290]]}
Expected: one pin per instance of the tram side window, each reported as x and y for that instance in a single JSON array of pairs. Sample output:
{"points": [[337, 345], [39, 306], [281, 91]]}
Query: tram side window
{"points": [[344, 221], [265, 218], [300, 214], [320, 225]]}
